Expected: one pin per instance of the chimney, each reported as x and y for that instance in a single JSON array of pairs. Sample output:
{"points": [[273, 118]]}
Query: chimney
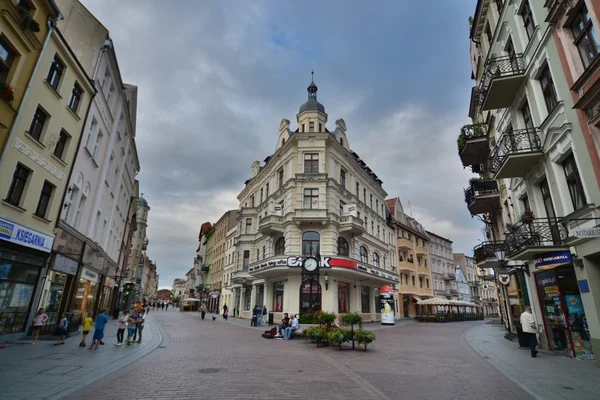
{"points": [[255, 168]]}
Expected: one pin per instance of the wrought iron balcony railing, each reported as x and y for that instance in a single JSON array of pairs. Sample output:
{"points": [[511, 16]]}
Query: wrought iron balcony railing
{"points": [[500, 67], [541, 232], [486, 250], [481, 187], [512, 143]]}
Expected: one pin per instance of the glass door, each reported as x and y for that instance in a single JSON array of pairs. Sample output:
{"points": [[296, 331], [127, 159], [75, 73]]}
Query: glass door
{"points": [[553, 313]]}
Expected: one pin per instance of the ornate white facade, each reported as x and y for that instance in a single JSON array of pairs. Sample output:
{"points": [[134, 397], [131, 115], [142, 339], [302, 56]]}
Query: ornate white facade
{"points": [[313, 196]]}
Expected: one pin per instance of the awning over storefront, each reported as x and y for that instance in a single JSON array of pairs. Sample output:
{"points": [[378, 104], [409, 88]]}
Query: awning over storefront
{"points": [[437, 301], [417, 298]]}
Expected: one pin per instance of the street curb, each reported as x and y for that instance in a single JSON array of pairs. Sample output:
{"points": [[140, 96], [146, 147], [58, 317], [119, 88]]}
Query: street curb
{"points": [[512, 377], [112, 367]]}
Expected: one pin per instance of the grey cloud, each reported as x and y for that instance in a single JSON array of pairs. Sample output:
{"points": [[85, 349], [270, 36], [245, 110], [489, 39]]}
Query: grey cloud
{"points": [[216, 77]]}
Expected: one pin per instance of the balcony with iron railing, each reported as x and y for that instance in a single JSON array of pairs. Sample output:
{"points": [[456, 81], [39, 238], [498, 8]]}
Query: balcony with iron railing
{"points": [[448, 276], [527, 239], [271, 224], [557, 9], [516, 153], [502, 78], [472, 143], [484, 254], [482, 196], [352, 225]]}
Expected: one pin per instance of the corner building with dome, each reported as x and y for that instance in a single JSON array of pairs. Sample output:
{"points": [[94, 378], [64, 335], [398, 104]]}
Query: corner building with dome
{"points": [[313, 199]]}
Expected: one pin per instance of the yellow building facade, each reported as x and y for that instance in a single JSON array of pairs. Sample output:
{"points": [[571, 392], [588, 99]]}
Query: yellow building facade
{"points": [[414, 267], [35, 169], [20, 49]]}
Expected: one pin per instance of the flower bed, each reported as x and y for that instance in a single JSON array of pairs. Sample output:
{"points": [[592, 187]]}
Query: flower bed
{"points": [[327, 333]]}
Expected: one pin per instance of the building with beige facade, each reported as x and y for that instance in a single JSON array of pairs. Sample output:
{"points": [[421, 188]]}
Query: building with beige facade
{"points": [[414, 264], [226, 293], [313, 198], [443, 269], [219, 260], [36, 165]]}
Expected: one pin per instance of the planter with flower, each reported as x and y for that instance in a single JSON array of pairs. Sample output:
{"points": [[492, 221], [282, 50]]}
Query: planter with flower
{"points": [[352, 319], [6, 92], [339, 336], [527, 217], [364, 337]]}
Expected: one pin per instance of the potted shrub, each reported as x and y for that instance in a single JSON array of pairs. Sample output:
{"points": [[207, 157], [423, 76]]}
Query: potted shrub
{"points": [[511, 227], [319, 336], [364, 337], [352, 319], [339, 336]]}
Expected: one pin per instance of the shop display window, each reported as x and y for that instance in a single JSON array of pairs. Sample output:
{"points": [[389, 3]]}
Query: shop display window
{"points": [[17, 286]]}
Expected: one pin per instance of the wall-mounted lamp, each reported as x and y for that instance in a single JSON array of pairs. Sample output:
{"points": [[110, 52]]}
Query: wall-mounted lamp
{"points": [[326, 281]]}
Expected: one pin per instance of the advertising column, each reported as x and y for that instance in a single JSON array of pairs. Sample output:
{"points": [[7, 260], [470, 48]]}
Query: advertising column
{"points": [[386, 299]]}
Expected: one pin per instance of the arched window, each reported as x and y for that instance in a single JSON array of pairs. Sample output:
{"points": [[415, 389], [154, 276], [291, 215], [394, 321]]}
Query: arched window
{"points": [[280, 246], [310, 244], [343, 248], [376, 259], [364, 254]]}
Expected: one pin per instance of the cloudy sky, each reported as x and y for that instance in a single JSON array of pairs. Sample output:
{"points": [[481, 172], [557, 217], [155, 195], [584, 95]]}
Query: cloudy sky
{"points": [[215, 79]]}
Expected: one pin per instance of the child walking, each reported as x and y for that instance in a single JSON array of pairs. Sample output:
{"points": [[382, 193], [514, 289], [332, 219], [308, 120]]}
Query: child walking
{"points": [[61, 330], [131, 328], [87, 325]]}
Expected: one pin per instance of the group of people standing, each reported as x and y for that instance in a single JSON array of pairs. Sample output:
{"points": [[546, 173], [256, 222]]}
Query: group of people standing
{"points": [[259, 316], [133, 321]]}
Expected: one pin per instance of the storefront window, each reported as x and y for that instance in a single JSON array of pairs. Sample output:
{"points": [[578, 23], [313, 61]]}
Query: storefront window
{"points": [[310, 296], [17, 285], [343, 297], [85, 298], [260, 295], [277, 297], [53, 295], [365, 303], [563, 312], [247, 298]]}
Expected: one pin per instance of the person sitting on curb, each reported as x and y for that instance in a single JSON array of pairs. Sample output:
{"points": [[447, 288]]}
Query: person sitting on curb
{"points": [[289, 331]]}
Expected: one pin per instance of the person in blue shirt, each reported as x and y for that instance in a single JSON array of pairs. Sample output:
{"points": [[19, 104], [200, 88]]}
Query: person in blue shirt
{"points": [[101, 321]]}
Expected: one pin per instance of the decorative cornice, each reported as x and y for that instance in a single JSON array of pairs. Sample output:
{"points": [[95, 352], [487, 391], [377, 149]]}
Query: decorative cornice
{"points": [[38, 159]]}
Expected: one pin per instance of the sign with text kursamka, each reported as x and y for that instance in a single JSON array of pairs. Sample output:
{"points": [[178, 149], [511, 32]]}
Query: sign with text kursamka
{"points": [[552, 260]]}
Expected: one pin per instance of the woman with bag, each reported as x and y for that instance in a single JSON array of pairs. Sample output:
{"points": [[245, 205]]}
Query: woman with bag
{"points": [[61, 330]]}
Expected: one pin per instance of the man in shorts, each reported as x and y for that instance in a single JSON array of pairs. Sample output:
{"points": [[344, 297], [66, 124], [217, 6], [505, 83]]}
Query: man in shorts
{"points": [[101, 322], [87, 326]]}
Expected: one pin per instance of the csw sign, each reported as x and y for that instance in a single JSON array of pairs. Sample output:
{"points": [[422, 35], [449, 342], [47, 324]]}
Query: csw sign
{"points": [[19, 234], [552, 260]]}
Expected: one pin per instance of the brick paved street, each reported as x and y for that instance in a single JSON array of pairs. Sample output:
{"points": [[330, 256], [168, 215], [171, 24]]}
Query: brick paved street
{"points": [[213, 360]]}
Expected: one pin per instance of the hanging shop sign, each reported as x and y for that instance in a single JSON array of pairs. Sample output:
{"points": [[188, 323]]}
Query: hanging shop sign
{"points": [[504, 279], [89, 275], [64, 264], [24, 236], [552, 260]]}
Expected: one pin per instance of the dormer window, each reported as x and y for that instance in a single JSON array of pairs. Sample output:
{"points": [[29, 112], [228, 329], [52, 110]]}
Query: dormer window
{"points": [[311, 126]]}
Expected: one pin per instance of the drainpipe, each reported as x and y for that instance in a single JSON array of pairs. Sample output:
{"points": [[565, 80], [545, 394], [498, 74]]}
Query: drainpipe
{"points": [[51, 26]]}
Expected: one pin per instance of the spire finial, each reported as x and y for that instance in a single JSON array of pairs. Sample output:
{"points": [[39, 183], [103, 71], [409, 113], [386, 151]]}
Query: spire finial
{"points": [[312, 76]]}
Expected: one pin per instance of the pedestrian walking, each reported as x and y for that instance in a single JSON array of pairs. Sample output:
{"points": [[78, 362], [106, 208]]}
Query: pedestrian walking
{"points": [[203, 310], [140, 326], [131, 327], [38, 322], [101, 321], [264, 312], [253, 320], [259, 319], [148, 309], [61, 330], [529, 329], [225, 312], [162, 306], [122, 327], [167, 306], [87, 326]]}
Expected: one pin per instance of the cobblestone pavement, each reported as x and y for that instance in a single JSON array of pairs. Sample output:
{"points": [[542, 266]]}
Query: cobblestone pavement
{"points": [[212, 360], [547, 377], [45, 371]]}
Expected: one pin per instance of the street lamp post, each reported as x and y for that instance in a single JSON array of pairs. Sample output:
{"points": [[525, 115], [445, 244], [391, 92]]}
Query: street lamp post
{"points": [[119, 277]]}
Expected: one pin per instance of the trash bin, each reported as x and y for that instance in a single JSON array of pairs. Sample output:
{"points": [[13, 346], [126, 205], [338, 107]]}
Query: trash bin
{"points": [[271, 317], [523, 339]]}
